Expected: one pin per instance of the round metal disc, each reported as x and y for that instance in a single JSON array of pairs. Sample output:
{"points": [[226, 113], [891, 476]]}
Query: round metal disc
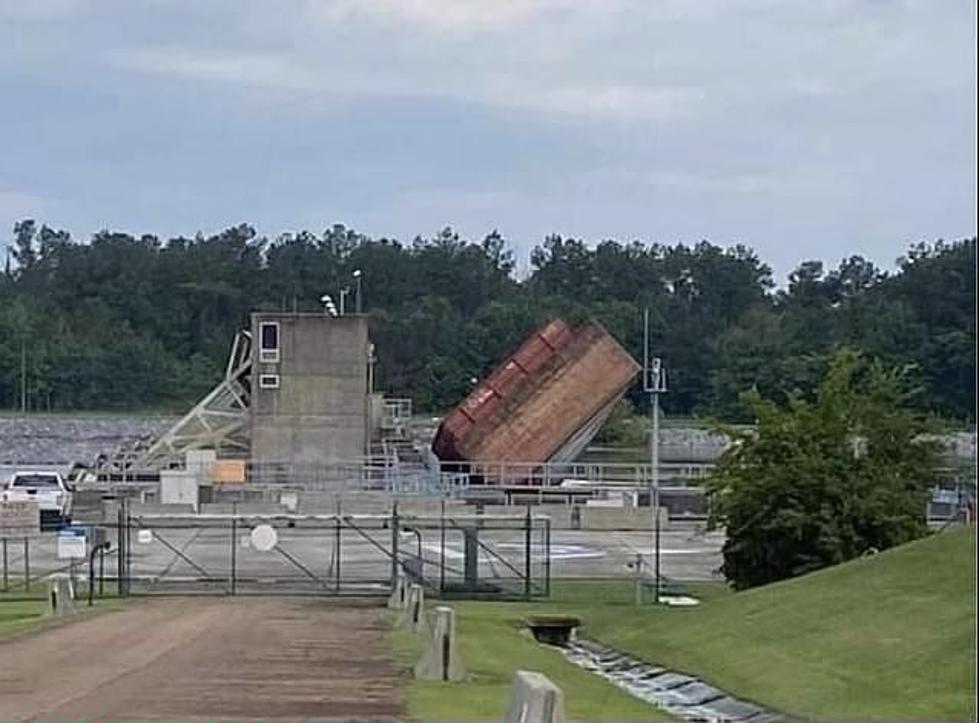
{"points": [[264, 537]]}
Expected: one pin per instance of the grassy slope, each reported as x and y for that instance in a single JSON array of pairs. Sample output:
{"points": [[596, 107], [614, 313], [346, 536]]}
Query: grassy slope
{"points": [[891, 636]]}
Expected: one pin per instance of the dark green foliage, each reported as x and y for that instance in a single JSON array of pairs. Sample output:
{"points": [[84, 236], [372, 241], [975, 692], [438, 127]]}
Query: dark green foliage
{"points": [[127, 321], [819, 482]]}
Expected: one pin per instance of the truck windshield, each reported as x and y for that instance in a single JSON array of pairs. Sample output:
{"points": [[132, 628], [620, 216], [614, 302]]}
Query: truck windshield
{"points": [[35, 480]]}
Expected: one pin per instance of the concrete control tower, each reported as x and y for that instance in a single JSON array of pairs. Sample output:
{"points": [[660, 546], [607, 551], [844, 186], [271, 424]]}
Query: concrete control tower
{"points": [[309, 396]]}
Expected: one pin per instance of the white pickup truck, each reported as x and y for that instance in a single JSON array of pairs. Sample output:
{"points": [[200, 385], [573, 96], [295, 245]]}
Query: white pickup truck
{"points": [[49, 489]]}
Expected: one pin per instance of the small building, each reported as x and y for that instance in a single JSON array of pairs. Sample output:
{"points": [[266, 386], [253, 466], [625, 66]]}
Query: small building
{"points": [[309, 396]]}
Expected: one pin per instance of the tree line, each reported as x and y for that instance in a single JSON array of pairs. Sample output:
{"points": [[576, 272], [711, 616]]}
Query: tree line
{"points": [[129, 322]]}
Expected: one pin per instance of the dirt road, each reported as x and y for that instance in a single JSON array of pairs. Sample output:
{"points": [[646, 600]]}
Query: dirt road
{"points": [[180, 658]]}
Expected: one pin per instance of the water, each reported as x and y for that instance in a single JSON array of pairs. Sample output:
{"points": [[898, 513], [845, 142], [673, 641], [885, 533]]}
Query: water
{"points": [[62, 440]]}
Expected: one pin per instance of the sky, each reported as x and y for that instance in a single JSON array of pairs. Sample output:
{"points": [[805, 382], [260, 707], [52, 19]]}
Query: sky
{"points": [[805, 129]]}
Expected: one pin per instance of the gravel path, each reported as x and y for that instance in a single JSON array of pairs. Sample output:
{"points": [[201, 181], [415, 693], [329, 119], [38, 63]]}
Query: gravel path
{"points": [[205, 658]]}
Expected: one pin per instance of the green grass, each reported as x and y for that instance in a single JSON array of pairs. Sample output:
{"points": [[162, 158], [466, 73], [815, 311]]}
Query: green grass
{"points": [[18, 615], [24, 612], [885, 637]]}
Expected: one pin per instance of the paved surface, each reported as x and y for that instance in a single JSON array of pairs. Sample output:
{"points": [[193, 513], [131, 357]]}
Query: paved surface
{"points": [[181, 658]]}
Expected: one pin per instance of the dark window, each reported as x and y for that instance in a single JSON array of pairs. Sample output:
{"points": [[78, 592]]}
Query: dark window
{"points": [[35, 480], [268, 341], [270, 335]]}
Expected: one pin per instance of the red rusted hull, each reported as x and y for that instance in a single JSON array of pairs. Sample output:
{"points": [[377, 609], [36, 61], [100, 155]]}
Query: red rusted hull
{"points": [[539, 397]]}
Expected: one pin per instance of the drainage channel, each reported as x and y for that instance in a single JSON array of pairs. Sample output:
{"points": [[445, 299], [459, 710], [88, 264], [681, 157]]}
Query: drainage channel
{"points": [[683, 696]]}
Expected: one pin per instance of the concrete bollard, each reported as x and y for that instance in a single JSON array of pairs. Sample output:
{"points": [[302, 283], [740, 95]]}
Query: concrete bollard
{"points": [[61, 601], [534, 699], [399, 595], [440, 661], [417, 608], [413, 614]]}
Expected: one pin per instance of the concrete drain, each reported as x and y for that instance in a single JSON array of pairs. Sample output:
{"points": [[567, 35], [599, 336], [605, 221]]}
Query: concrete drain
{"points": [[683, 696]]}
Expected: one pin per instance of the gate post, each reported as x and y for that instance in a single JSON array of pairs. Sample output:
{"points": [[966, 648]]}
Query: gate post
{"points": [[526, 558], [120, 551], [394, 545], [547, 557], [27, 563], [234, 552], [337, 553]]}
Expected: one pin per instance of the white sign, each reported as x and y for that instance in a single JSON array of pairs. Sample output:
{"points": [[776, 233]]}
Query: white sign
{"points": [[71, 547], [264, 538]]}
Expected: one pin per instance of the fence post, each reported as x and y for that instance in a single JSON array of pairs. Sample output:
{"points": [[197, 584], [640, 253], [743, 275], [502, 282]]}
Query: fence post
{"points": [[120, 551], [101, 570], [27, 564], [442, 548], [547, 558], [526, 558], [5, 564], [394, 544], [234, 551], [124, 562], [336, 570]]}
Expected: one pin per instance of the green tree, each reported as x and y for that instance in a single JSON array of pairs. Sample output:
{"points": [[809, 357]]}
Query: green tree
{"points": [[819, 482]]}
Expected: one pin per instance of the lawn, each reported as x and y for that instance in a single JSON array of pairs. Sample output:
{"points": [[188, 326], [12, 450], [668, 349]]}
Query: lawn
{"points": [[19, 614], [885, 637], [22, 612]]}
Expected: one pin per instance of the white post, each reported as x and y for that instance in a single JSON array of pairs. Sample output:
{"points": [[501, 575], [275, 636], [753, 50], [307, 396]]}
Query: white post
{"points": [[534, 699], [440, 661], [654, 497]]}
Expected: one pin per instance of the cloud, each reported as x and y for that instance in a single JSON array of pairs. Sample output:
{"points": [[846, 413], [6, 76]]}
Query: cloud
{"points": [[616, 102], [466, 16], [736, 184], [292, 74], [263, 70]]}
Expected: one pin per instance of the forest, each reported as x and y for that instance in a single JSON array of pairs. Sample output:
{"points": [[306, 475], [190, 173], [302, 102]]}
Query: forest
{"points": [[121, 322]]}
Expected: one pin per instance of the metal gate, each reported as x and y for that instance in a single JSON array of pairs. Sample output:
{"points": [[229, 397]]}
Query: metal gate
{"points": [[332, 554]]}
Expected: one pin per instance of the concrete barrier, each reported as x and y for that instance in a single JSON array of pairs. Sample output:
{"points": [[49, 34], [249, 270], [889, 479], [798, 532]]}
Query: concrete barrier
{"points": [[440, 660], [399, 596], [61, 598], [534, 699], [413, 614]]}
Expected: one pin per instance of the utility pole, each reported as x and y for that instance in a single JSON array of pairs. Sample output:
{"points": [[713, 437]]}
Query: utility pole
{"points": [[654, 384], [23, 376]]}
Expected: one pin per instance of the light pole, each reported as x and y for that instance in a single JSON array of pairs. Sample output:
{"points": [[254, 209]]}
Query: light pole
{"points": [[358, 274], [654, 384]]}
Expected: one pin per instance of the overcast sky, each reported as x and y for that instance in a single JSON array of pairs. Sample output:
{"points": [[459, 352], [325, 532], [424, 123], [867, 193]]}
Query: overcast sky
{"points": [[808, 129]]}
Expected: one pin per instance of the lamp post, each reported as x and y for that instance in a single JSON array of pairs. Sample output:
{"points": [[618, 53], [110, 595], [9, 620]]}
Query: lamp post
{"points": [[358, 275], [654, 384]]}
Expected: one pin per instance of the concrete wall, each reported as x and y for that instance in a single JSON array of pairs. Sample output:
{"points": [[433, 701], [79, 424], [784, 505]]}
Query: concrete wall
{"points": [[318, 415]]}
